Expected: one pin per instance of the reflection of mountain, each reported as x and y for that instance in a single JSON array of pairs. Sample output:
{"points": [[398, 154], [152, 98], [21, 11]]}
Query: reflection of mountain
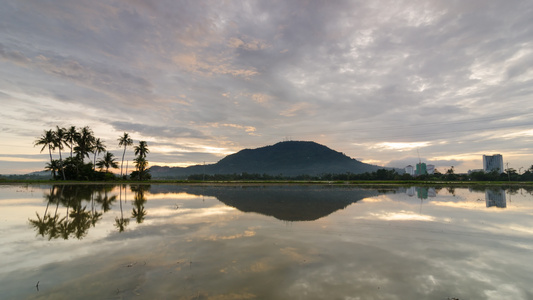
{"points": [[287, 203]]}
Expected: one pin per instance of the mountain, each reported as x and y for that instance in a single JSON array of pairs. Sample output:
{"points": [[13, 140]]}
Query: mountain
{"points": [[291, 158]]}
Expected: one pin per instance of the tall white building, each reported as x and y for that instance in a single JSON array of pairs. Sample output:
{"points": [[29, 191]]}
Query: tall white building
{"points": [[493, 162], [410, 170]]}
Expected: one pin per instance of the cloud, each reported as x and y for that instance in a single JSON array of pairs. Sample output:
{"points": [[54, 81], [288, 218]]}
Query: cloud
{"points": [[158, 131], [351, 75]]}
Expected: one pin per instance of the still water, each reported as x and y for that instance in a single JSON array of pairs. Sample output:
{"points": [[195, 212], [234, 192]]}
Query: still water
{"points": [[264, 242]]}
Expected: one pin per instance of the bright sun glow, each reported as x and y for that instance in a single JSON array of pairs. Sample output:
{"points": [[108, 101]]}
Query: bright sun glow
{"points": [[402, 146]]}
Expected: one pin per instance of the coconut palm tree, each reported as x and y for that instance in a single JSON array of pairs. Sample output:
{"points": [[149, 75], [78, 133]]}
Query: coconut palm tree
{"points": [[98, 147], [47, 140], [142, 149], [53, 166], [125, 141], [141, 163], [71, 135], [85, 143], [108, 161], [58, 143]]}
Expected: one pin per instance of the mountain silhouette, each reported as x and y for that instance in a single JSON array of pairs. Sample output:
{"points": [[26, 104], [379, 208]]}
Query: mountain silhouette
{"points": [[290, 158]]}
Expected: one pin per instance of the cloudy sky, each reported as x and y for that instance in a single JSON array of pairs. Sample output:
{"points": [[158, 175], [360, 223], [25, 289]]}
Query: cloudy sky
{"points": [[380, 81]]}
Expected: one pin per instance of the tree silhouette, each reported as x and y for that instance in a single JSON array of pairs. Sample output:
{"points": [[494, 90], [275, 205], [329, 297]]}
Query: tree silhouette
{"points": [[125, 141], [108, 161], [85, 143], [98, 148], [59, 140], [71, 135], [47, 140]]}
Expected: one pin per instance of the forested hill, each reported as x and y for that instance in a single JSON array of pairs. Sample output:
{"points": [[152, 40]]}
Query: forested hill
{"points": [[291, 158]]}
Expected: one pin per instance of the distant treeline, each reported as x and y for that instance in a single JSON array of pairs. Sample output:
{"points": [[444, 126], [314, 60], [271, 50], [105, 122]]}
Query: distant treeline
{"points": [[381, 174]]}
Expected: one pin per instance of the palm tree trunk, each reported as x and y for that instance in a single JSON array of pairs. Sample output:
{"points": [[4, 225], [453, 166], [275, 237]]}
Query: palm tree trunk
{"points": [[52, 162], [61, 164], [122, 163]]}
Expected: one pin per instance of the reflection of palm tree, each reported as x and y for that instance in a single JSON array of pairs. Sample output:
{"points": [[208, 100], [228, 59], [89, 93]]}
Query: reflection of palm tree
{"points": [[53, 231], [42, 225], [79, 217], [106, 202], [64, 228], [138, 211], [81, 221], [121, 223], [94, 217]]}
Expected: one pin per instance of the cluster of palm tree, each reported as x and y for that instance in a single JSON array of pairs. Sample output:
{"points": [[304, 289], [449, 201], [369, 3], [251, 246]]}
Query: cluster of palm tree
{"points": [[141, 164], [82, 143]]}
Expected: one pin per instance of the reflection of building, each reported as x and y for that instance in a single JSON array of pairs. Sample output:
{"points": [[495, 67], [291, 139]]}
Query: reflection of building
{"points": [[493, 162], [495, 198], [411, 191], [421, 169], [410, 170], [422, 192]]}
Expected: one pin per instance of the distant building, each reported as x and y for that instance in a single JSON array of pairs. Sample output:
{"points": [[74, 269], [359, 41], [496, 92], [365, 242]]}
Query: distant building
{"points": [[410, 170], [430, 169], [421, 169], [493, 162]]}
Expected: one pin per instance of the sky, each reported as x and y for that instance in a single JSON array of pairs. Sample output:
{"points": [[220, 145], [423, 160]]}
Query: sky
{"points": [[384, 82]]}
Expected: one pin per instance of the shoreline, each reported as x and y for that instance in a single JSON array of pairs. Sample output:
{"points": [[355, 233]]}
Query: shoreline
{"points": [[279, 182]]}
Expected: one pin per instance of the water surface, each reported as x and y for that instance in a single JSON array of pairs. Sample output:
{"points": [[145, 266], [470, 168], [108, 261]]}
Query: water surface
{"points": [[264, 242]]}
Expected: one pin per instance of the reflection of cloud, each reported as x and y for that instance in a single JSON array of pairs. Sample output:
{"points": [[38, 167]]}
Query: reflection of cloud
{"points": [[169, 196], [402, 216], [252, 257], [247, 233], [461, 204]]}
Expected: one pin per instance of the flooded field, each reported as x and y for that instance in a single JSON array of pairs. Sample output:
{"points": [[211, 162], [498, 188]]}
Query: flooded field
{"points": [[264, 242]]}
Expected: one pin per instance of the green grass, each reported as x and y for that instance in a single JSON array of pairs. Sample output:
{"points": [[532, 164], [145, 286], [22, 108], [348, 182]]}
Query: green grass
{"points": [[296, 182]]}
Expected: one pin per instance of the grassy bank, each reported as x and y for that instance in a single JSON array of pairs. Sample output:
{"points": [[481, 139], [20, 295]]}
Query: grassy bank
{"points": [[284, 182]]}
